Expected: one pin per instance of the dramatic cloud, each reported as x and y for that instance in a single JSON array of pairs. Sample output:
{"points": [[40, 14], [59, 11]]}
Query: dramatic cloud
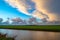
{"points": [[50, 8], [17, 19], [18, 5]]}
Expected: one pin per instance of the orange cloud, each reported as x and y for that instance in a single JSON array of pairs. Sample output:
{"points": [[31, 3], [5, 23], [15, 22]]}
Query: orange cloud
{"points": [[40, 5]]}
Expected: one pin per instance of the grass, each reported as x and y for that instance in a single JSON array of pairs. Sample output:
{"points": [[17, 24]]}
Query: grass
{"points": [[32, 27]]}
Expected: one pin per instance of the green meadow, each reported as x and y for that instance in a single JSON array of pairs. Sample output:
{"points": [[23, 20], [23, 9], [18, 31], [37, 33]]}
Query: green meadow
{"points": [[32, 27]]}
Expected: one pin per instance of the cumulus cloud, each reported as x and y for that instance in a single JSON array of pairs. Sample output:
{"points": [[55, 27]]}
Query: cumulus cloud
{"points": [[45, 7], [17, 19]]}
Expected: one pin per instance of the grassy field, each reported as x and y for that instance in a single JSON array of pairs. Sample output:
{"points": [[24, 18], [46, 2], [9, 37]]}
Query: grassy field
{"points": [[32, 27]]}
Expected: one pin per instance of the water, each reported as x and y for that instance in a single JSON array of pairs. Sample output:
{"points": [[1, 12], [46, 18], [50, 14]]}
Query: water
{"points": [[31, 35]]}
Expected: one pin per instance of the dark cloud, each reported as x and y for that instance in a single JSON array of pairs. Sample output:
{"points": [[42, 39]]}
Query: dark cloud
{"points": [[54, 6]]}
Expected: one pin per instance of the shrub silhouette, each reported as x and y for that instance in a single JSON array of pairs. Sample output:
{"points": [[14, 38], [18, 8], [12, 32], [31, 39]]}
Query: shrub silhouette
{"points": [[3, 37]]}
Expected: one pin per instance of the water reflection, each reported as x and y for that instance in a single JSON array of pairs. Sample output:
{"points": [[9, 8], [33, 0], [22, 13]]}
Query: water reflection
{"points": [[31, 35]]}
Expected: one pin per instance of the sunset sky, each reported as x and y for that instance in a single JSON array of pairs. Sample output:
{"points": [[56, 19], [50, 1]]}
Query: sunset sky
{"points": [[17, 8]]}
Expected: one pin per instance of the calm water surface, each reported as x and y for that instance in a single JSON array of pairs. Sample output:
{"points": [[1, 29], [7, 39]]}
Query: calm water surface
{"points": [[31, 35]]}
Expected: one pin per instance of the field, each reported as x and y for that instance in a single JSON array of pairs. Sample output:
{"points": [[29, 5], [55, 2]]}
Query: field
{"points": [[32, 27]]}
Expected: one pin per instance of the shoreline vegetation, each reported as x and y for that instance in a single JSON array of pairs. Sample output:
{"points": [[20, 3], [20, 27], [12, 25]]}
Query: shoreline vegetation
{"points": [[55, 28], [4, 37]]}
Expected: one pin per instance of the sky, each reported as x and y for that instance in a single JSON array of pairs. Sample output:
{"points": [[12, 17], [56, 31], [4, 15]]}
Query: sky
{"points": [[6, 11], [49, 9]]}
